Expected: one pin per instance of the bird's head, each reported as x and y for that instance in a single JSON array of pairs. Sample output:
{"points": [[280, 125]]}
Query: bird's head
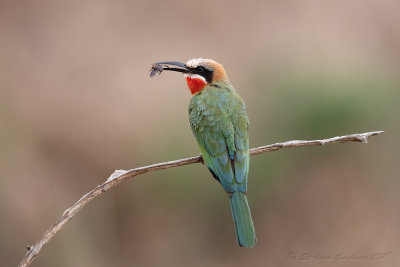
{"points": [[198, 72]]}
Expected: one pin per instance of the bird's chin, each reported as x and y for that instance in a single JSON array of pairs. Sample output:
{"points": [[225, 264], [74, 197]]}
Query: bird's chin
{"points": [[195, 76]]}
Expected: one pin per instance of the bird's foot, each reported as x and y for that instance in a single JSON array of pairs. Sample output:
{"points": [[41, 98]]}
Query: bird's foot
{"points": [[201, 159]]}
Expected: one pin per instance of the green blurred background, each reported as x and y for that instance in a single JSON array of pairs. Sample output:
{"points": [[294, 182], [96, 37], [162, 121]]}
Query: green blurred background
{"points": [[76, 103]]}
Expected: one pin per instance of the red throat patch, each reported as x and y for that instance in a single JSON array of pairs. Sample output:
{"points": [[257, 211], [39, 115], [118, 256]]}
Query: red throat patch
{"points": [[195, 84]]}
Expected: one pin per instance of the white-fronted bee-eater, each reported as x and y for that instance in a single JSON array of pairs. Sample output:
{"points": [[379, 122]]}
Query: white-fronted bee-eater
{"points": [[218, 119]]}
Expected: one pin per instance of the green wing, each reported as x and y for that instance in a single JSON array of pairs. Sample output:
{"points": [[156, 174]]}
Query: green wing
{"points": [[242, 156], [213, 147], [223, 140]]}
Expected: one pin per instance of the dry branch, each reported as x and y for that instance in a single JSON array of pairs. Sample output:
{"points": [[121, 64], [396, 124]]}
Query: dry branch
{"points": [[121, 175]]}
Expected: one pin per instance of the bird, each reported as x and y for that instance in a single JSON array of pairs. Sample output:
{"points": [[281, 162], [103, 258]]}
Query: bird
{"points": [[218, 119]]}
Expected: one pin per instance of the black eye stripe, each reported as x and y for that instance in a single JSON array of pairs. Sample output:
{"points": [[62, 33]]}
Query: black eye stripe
{"points": [[205, 72]]}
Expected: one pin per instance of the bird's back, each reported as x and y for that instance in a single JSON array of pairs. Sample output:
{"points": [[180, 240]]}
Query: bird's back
{"points": [[219, 122]]}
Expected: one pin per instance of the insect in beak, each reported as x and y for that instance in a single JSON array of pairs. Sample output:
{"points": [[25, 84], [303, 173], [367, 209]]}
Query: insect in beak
{"points": [[168, 65]]}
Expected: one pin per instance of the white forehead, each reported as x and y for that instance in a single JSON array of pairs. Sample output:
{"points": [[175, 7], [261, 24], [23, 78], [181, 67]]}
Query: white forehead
{"points": [[193, 63]]}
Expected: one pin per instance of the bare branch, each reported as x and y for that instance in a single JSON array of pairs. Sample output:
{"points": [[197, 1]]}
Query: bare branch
{"points": [[362, 137], [122, 175]]}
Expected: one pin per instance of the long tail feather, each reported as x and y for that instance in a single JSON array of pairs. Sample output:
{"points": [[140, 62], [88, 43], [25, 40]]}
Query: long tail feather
{"points": [[245, 234]]}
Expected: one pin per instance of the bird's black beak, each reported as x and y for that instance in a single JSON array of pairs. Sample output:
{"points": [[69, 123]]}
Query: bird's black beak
{"points": [[168, 65]]}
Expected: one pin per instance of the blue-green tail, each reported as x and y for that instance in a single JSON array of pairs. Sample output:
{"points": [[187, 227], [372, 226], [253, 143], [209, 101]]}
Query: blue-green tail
{"points": [[245, 234]]}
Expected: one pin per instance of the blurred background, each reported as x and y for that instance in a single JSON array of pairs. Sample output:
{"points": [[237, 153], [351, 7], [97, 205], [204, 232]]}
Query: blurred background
{"points": [[76, 103]]}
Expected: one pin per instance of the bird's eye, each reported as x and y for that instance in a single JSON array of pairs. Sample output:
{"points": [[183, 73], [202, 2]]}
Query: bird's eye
{"points": [[200, 68]]}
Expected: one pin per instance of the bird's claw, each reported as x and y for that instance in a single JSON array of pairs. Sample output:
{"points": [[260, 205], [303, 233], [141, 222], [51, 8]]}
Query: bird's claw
{"points": [[201, 159]]}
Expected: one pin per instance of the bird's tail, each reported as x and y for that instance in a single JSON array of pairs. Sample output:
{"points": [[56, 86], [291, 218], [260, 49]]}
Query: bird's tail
{"points": [[245, 234]]}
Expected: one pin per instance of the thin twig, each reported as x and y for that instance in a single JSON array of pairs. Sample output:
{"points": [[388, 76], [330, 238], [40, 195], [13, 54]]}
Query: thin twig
{"points": [[122, 175]]}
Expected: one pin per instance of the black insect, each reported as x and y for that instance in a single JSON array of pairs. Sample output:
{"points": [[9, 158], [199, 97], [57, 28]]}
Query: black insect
{"points": [[155, 68]]}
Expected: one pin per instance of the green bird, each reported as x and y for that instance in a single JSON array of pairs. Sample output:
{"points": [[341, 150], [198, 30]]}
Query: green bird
{"points": [[218, 119]]}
